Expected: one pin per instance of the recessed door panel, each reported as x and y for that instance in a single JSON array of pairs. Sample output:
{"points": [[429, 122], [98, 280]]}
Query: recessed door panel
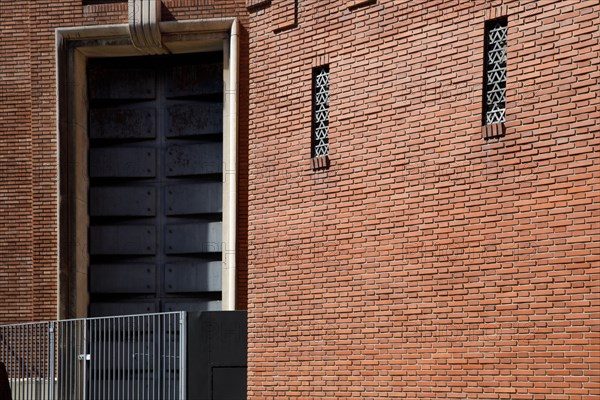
{"points": [[127, 83], [189, 277], [123, 162], [122, 201], [122, 278], [200, 237], [194, 119], [182, 305], [106, 309], [123, 123], [194, 159], [197, 198], [195, 80], [123, 240]]}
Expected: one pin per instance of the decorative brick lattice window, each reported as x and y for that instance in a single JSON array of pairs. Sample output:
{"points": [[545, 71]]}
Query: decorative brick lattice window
{"points": [[320, 131], [495, 71]]}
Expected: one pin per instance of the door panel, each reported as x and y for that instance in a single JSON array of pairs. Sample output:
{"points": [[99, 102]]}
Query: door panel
{"points": [[194, 238], [122, 201], [195, 80], [184, 277], [197, 198], [194, 159], [182, 305], [194, 119], [116, 123], [120, 83], [125, 162], [106, 309], [122, 278], [122, 240]]}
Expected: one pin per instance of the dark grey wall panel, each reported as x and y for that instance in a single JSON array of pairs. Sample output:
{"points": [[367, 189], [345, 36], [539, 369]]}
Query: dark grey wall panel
{"points": [[217, 355], [189, 277], [122, 83], [194, 119], [122, 278], [194, 159], [122, 201], [198, 198], [200, 237], [123, 240], [229, 383], [123, 162], [123, 123], [195, 80], [99, 309]]}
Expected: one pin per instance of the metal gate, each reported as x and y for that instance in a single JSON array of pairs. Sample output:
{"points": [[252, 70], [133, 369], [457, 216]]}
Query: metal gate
{"points": [[120, 358]]}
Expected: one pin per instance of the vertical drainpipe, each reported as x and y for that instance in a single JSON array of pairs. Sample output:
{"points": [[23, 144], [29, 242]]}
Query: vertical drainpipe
{"points": [[231, 58]]}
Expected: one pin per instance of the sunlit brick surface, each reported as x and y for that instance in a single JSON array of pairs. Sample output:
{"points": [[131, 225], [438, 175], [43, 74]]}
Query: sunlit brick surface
{"points": [[426, 262]]}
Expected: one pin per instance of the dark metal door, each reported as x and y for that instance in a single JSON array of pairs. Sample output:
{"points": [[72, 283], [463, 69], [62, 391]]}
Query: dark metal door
{"points": [[155, 179]]}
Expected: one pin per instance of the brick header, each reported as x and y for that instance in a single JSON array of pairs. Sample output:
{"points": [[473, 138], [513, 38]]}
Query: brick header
{"points": [[320, 162], [320, 60], [495, 11], [493, 131]]}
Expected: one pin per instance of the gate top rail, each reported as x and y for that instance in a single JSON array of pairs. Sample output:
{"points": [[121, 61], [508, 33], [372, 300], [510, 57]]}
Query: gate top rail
{"points": [[181, 313]]}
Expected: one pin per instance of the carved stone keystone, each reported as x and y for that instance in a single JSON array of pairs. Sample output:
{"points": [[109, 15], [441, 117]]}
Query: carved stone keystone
{"points": [[144, 18]]}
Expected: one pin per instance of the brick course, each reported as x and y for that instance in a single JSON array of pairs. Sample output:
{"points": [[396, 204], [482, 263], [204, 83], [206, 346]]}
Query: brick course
{"points": [[16, 170]]}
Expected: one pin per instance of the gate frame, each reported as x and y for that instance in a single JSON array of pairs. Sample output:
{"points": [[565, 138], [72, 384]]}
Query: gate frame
{"points": [[74, 45]]}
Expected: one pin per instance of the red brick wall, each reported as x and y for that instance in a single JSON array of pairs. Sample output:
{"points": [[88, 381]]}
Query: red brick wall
{"points": [[29, 142], [426, 262], [16, 172]]}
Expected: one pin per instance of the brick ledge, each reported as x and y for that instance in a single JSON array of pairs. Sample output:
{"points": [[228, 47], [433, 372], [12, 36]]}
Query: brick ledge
{"points": [[318, 163], [493, 131]]}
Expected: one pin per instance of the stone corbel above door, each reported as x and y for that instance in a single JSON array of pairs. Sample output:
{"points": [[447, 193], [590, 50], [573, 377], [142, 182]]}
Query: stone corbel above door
{"points": [[144, 26]]}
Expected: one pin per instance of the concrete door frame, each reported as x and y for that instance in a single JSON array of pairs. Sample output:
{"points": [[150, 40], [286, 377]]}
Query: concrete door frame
{"points": [[74, 46]]}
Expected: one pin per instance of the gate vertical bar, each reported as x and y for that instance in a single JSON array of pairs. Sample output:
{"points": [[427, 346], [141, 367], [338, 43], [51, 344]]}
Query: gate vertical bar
{"points": [[137, 358], [164, 368], [26, 360], [120, 359], [74, 359], [103, 367], [168, 357], [155, 358], [78, 367], [128, 354], [51, 360], [182, 355], [84, 346]]}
